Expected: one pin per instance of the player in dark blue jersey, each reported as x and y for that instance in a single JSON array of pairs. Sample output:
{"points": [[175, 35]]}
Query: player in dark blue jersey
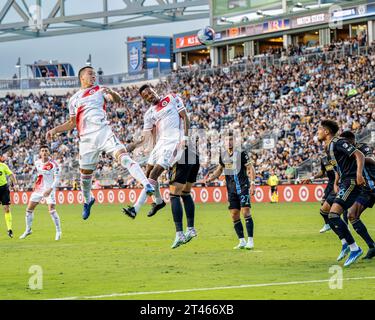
{"points": [[329, 194], [237, 168], [367, 198], [348, 163]]}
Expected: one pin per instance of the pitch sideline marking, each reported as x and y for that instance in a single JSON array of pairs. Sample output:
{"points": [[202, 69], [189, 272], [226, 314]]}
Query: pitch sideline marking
{"points": [[208, 289]]}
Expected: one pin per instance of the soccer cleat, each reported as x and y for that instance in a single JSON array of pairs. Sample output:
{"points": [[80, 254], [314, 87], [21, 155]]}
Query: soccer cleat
{"points": [[344, 251], [58, 236], [10, 233], [241, 245], [353, 257], [150, 190], [190, 234], [325, 228], [249, 245], [179, 240], [87, 209], [370, 254], [155, 208], [25, 234], [130, 212]]}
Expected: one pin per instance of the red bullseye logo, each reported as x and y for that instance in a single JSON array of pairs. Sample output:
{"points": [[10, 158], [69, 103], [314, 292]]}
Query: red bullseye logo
{"points": [[288, 194], [166, 195], [259, 195], [60, 197], [111, 196], [16, 198], [80, 197], [100, 196], [193, 194], [319, 193], [204, 195], [217, 195], [121, 196], [303, 194], [25, 198], [70, 197], [132, 196]]}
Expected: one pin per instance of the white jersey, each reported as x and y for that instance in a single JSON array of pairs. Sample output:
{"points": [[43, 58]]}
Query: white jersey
{"points": [[89, 108], [48, 175], [165, 116]]}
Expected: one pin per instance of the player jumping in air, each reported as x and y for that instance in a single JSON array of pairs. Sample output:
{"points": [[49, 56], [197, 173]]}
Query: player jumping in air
{"points": [[48, 178], [348, 163], [237, 168], [168, 115], [367, 197], [5, 194], [87, 109]]}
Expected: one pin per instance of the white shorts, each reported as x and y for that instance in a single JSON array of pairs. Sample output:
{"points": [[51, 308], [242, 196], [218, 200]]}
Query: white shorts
{"points": [[93, 144], [37, 197], [165, 153]]}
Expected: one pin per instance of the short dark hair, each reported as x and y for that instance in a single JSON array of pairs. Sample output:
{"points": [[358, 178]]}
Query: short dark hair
{"points": [[331, 125], [83, 69], [43, 146], [348, 135], [144, 87]]}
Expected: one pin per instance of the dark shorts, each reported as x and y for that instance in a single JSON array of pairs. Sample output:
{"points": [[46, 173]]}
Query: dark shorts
{"points": [[238, 201], [328, 191], [185, 170], [330, 198], [4, 195], [348, 193], [366, 198], [273, 189]]}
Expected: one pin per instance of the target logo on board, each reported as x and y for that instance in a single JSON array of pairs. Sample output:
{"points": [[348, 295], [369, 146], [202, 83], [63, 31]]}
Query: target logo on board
{"points": [[193, 194], [121, 196], [166, 195], [70, 197], [132, 196], [303, 193], [259, 195], [100, 196], [204, 195], [60, 197], [217, 195], [25, 198], [16, 198], [80, 197], [288, 194], [110, 196], [319, 193]]}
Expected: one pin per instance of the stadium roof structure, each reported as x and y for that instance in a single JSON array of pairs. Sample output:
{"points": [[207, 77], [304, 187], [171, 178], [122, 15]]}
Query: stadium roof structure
{"points": [[28, 19]]}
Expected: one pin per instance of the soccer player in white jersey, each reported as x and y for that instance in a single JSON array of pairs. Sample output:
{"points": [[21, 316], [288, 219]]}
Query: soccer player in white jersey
{"points": [[87, 109], [48, 178], [168, 115]]}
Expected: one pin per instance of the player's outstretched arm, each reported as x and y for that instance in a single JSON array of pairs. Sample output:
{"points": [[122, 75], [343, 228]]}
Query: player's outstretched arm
{"points": [[13, 178], [144, 139], [216, 174], [360, 159], [67, 126], [251, 173]]}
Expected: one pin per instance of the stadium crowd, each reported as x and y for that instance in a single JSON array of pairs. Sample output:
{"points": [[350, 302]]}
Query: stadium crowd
{"points": [[284, 102]]}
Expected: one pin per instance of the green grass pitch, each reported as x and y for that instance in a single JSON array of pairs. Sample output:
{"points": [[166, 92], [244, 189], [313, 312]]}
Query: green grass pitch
{"points": [[113, 257]]}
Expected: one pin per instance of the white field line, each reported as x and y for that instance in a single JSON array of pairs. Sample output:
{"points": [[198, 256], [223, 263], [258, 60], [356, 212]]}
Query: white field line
{"points": [[129, 294]]}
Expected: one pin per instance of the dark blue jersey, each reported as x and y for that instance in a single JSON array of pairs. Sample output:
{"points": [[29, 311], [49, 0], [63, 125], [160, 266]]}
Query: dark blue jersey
{"points": [[369, 169], [328, 169], [340, 154]]}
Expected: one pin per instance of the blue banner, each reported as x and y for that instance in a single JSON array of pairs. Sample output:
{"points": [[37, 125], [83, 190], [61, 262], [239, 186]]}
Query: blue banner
{"points": [[135, 61], [158, 53]]}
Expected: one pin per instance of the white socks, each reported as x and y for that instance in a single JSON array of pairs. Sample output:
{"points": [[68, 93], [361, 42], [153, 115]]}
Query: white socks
{"points": [[29, 220], [140, 201], [157, 198], [353, 247], [56, 220], [134, 169], [86, 185]]}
